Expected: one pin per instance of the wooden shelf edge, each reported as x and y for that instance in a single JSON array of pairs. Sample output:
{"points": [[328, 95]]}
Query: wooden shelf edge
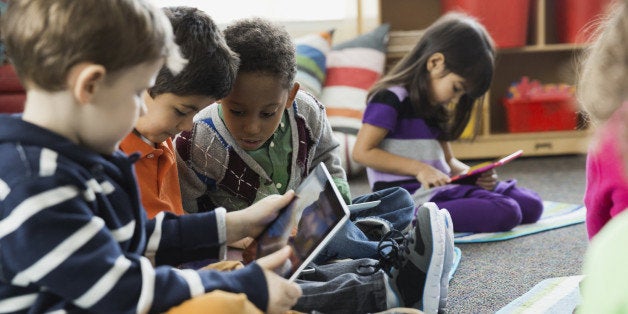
{"points": [[533, 144], [544, 48], [542, 134]]}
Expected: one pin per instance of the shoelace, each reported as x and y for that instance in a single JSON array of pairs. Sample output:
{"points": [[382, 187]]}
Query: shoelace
{"points": [[391, 259]]}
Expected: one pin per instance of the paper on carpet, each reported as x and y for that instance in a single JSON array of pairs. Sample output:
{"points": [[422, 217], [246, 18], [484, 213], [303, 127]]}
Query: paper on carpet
{"points": [[553, 295], [555, 215]]}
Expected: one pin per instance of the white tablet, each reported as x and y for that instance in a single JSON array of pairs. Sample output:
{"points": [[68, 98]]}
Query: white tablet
{"points": [[313, 217]]}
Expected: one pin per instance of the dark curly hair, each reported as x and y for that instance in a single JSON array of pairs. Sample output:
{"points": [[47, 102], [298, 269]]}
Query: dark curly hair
{"points": [[263, 47], [212, 66]]}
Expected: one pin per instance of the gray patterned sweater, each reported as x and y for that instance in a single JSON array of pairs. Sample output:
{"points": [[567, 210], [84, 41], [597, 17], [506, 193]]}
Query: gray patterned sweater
{"points": [[214, 170]]}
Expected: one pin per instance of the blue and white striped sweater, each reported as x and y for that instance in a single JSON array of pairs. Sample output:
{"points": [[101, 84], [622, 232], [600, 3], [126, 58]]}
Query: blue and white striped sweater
{"points": [[73, 235]]}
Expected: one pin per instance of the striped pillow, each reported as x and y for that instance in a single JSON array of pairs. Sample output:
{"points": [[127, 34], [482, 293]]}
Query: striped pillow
{"points": [[352, 68], [311, 54]]}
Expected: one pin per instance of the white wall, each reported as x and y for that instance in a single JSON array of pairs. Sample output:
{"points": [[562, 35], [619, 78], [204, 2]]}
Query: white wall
{"points": [[299, 16]]}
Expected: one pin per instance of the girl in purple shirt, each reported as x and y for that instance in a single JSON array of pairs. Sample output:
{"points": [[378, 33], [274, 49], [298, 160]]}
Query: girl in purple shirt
{"points": [[424, 102]]}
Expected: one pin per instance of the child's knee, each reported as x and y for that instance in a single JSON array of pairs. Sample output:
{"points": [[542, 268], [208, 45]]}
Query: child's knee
{"points": [[509, 214], [401, 196], [393, 192], [529, 201], [393, 197], [532, 209]]}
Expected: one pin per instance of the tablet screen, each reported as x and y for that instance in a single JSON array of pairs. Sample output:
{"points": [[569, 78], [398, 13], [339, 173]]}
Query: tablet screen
{"points": [[306, 224]]}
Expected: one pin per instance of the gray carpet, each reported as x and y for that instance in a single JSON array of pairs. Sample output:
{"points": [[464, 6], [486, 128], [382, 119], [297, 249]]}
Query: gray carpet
{"points": [[491, 275]]}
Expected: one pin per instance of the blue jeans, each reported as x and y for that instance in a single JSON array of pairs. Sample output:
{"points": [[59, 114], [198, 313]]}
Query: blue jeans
{"points": [[396, 210], [342, 288]]}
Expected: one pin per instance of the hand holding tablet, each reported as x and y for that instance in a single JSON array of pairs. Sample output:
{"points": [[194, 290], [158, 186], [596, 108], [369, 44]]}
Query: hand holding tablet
{"points": [[471, 175], [310, 220]]}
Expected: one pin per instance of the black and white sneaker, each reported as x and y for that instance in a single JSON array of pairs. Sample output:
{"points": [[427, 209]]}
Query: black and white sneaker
{"points": [[416, 265], [448, 259]]}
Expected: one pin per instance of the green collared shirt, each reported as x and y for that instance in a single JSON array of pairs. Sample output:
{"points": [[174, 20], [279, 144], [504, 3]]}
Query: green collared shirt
{"points": [[275, 155]]}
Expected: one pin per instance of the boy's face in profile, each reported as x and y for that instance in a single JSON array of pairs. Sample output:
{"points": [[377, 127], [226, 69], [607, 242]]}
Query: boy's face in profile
{"points": [[168, 114], [254, 108], [116, 106]]}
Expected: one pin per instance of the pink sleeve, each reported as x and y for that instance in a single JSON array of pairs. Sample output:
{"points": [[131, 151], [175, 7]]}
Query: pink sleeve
{"points": [[606, 193]]}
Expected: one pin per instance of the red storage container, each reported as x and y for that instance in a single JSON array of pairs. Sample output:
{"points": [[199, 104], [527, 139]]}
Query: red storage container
{"points": [[575, 19], [540, 115], [505, 20]]}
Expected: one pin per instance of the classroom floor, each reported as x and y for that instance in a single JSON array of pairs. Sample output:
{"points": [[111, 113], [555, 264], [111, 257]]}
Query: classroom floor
{"points": [[491, 275]]}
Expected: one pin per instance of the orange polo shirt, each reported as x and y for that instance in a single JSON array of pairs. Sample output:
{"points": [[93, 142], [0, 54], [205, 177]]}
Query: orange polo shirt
{"points": [[157, 175]]}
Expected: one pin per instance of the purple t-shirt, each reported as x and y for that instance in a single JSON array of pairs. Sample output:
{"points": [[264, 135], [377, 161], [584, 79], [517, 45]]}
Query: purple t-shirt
{"points": [[409, 136]]}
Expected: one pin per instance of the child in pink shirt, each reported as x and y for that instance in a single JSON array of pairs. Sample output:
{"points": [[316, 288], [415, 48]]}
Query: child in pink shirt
{"points": [[602, 95], [606, 193]]}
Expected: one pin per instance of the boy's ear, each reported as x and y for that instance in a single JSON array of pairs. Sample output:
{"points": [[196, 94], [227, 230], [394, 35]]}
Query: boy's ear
{"points": [[292, 95], [436, 62], [83, 80]]}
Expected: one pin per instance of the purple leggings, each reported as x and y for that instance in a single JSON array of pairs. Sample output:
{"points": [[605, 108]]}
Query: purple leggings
{"points": [[474, 209]]}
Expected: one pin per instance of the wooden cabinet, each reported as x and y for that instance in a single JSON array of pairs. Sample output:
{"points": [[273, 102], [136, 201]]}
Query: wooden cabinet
{"points": [[543, 59]]}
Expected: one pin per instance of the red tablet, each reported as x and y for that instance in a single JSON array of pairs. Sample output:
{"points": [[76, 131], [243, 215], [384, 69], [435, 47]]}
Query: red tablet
{"points": [[485, 166]]}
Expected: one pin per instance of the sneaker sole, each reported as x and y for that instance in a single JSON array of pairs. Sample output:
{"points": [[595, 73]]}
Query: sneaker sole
{"points": [[432, 290], [448, 259]]}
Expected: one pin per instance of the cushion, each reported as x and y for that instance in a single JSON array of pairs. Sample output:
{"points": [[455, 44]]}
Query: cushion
{"points": [[9, 81], [347, 141], [12, 102], [311, 56], [352, 68], [12, 94]]}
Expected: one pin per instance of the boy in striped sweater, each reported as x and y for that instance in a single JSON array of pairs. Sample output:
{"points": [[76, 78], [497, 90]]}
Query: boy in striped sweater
{"points": [[73, 235]]}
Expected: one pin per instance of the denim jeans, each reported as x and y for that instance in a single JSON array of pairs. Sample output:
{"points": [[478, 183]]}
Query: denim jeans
{"points": [[342, 288], [396, 210]]}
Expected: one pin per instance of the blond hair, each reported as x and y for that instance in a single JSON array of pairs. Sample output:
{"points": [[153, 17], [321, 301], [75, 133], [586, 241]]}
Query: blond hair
{"points": [[604, 70], [45, 38]]}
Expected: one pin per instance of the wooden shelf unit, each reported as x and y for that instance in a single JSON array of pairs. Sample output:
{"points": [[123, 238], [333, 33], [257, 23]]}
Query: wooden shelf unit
{"points": [[543, 58]]}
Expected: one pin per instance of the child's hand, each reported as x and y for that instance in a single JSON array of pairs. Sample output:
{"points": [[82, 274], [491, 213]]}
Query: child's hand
{"points": [[457, 167], [430, 177], [487, 180], [250, 222], [282, 294]]}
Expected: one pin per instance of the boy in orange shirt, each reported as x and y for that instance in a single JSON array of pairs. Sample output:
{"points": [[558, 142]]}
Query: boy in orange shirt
{"points": [[172, 103]]}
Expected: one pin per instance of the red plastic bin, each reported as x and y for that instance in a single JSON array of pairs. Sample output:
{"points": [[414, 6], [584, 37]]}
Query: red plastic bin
{"points": [[540, 115], [505, 20], [575, 19]]}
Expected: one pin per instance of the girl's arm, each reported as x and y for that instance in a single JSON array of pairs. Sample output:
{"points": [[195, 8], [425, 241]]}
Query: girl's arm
{"points": [[366, 151], [457, 166]]}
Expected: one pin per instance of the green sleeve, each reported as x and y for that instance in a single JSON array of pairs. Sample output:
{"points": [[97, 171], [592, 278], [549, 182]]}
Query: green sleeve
{"points": [[343, 187], [605, 288]]}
